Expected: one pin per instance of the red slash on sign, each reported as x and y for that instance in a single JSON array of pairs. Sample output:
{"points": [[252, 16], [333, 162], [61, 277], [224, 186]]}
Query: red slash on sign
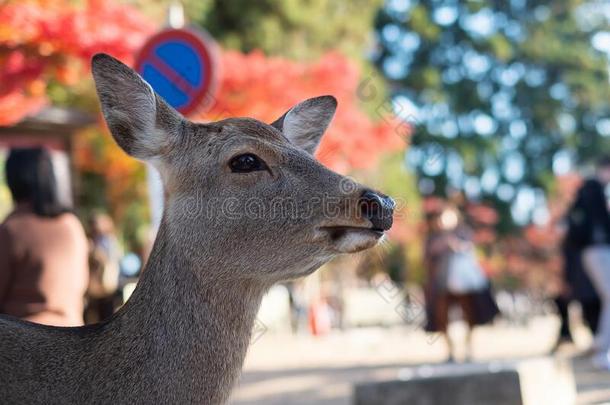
{"points": [[181, 66]]}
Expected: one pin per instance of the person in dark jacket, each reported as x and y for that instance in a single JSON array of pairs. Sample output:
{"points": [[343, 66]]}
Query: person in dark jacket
{"points": [[577, 287], [589, 231]]}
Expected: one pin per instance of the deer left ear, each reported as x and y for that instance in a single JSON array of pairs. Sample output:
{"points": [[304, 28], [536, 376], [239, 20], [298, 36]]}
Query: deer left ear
{"points": [[305, 123], [140, 122]]}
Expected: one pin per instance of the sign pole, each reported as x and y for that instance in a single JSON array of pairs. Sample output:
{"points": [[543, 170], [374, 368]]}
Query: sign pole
{"points": [[181, 66]]}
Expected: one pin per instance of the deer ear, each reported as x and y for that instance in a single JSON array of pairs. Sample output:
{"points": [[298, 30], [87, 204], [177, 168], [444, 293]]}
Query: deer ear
{"points": [[139, 120], [305, 123]]}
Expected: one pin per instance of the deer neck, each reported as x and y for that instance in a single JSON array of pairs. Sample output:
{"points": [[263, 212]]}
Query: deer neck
{"points": [[198, 327]]}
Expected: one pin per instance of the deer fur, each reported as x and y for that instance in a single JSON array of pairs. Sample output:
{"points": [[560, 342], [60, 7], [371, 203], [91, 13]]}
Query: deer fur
{"points": [[183, 335]]}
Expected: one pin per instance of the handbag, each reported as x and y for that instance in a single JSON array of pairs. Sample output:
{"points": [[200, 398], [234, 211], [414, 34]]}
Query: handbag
{"points": [[464, 273]]}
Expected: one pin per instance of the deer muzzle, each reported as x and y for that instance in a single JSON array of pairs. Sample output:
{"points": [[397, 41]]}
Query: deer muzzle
{"points": [[378, 209]]}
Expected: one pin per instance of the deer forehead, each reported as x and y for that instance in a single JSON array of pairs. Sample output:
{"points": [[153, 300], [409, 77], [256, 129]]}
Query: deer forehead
{"points": [[223, 138], [210, 146], [248, 126]]}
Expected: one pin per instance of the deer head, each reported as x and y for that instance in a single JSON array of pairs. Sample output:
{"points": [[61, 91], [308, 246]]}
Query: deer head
{"points": [[245, 196]]}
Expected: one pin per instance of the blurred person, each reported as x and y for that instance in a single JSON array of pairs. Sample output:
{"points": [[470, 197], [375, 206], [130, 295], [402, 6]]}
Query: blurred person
{"points": [[562, 302], [577, 286], [104, 266], [434, 263], [320, 317], [590, 230], [298, 306], [455, 277], [43, 247]]}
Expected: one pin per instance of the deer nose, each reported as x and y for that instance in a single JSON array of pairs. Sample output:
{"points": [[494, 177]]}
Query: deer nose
{"points": [[377, 208]]}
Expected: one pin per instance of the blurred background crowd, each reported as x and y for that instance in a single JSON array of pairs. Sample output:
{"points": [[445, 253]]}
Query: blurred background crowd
{"points": [[487, 121]]}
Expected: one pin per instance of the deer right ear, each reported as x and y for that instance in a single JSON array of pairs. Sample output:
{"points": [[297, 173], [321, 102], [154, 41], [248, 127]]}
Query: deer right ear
{"points": [[305, 123], [139, 120]]}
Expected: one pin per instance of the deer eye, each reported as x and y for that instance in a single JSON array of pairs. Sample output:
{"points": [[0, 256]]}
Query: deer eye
{"points": [[246, 163]]}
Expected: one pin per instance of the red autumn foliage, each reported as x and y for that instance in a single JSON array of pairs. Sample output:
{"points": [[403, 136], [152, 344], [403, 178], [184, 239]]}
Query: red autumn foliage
{"points": [[535, 256], [482, 214], [433, 205], [44, 40]]}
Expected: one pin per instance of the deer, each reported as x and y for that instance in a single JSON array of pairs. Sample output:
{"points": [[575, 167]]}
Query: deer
{"points": [[183, 335]]}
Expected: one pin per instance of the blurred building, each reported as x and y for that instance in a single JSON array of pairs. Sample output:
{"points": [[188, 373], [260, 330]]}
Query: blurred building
{"points": [[52, 128]]}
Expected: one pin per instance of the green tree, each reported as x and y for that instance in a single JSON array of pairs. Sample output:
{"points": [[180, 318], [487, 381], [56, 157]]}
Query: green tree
{"points": [[293, 28], [505, 94]]}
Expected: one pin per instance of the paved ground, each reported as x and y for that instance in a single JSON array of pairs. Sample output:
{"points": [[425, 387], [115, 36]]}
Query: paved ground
{"points": [[292, 370]]}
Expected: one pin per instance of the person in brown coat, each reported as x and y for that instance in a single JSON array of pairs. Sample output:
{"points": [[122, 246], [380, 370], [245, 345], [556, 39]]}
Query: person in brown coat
{"points": [[43, 248], [454, 277]]}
